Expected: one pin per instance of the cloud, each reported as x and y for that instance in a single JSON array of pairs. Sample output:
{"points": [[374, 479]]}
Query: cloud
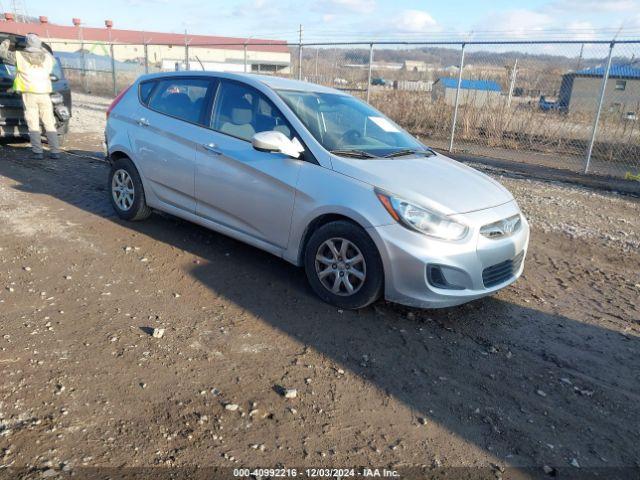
{"points": [[596, 6], [254, 8], [515, 23], [146, 3], [413, 21], [342, 6], [583, 30]]}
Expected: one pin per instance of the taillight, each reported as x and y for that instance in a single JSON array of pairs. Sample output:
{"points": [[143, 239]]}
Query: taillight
{"points": [[117, 99]]}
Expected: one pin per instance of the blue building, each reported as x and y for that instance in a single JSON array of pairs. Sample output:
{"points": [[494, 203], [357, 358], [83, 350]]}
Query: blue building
{"points": [[478, 93], [580, 90]]}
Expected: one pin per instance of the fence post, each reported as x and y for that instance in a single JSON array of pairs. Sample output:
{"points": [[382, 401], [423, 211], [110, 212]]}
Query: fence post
{"points": [[596, 120], [455, 108], [113, 69], [186, 52], [300, 53], [245, 57], [512, 83], [370, 68], [83, 62], [146, 58]]}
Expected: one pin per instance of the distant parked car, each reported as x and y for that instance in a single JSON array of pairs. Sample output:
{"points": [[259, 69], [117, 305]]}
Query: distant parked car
{"points": [[548, 106], [378, 81], [316, 177], [631, 116], [12, 121]]}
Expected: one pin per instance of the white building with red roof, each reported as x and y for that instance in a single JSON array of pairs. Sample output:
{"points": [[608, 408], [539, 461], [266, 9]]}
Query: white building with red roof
{"points": [[163, 50]]}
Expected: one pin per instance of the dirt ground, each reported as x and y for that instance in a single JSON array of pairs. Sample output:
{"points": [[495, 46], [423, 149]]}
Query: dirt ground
{"points": [[544, 374]]}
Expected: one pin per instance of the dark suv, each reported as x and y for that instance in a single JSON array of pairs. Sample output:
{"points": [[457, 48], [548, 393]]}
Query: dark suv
{"points": [[12, 122]]}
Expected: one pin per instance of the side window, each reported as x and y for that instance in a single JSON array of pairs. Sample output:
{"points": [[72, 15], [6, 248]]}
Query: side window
{"points": [[57, 69], [183, 98], [242, 111], [145, 91]]}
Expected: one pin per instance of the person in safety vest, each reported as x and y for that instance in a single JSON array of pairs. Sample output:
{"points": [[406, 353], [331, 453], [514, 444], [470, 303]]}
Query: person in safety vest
{"points": [[34, 65]]}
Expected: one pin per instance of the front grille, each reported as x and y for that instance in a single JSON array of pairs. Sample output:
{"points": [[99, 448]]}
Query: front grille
{"points": [[501, 272]]}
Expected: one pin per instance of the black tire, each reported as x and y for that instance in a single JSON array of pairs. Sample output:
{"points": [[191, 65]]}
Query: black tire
{"points": [[368, 290], [138, 209]]}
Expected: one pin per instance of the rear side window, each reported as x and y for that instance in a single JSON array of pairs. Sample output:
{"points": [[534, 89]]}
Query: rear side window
{"points": [[183, 98], [242, 111], [145, 91]]}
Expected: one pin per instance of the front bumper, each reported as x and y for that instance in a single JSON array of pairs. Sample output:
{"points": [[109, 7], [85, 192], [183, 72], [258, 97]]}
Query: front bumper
{"points": [[406, 256]]}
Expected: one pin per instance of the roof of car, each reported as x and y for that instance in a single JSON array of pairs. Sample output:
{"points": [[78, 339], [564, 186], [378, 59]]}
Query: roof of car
{"points": [[276, 83]]}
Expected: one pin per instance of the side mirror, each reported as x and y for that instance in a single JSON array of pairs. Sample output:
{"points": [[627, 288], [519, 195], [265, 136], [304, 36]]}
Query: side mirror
{"points": [[277, 142], [53, 77]]}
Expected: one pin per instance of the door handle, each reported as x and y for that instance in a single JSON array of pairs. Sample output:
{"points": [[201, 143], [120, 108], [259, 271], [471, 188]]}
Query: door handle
{"points": [[211, 147], [143, 122]]}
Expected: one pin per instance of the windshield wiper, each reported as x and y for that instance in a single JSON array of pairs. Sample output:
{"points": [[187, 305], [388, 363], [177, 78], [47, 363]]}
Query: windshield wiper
{"points": [[409, 151], [353, 153]]}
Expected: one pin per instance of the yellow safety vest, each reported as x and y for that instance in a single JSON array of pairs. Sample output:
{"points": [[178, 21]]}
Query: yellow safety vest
{"points": [[32, 78]]}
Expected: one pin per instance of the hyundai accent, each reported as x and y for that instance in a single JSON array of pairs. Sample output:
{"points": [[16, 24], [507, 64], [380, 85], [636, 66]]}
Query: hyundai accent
{"points": [[318, 178]]}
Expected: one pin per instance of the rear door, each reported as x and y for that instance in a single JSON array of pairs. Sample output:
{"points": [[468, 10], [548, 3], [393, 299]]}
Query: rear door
{"points": [[237, 186], [170, 124]]}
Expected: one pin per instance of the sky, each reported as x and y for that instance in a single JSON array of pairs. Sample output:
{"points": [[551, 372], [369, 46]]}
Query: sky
{"points": [[353, 20]]}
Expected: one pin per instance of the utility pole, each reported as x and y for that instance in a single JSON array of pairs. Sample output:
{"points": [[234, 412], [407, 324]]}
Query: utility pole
{"points": [[300, 53]]}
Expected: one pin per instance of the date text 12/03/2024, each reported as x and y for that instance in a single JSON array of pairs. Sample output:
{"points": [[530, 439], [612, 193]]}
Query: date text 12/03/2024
{"points": [[316, 472]]}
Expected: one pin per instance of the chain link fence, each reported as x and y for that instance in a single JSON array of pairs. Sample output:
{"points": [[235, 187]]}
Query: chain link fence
{"points": [[572, 105]]}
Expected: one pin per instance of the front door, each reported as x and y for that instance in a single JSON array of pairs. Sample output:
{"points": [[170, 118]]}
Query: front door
{"points": [[237, 186]]}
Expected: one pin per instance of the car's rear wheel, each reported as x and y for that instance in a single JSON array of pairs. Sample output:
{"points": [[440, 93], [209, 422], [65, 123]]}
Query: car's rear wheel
{"points": [[343, 265], [126, 191]]}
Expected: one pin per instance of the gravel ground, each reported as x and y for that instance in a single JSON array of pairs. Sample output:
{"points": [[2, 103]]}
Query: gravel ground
{"points": [[88, 113], [545, 374]]}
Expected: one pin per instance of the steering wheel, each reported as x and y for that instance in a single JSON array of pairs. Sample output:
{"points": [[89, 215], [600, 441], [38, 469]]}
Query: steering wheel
{"points": [[352, 136]]}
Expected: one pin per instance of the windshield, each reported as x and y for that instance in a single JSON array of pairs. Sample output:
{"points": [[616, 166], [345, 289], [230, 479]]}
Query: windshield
{"points": [[346, 125]]}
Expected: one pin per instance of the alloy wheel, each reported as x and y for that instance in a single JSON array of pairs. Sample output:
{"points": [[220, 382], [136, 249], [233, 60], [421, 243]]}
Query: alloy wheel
{"points": [[122, 189], [340, 266]]}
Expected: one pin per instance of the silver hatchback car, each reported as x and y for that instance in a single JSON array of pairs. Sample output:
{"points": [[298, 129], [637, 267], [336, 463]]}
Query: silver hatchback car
{"points": [[319, 178]]}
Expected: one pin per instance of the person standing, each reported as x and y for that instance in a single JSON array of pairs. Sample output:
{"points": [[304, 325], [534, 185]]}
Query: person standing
{"points": [[34, 65]]}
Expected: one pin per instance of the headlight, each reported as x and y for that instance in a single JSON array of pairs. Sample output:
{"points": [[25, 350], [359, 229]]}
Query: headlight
{"points": [[56, 98], [421, 219]]}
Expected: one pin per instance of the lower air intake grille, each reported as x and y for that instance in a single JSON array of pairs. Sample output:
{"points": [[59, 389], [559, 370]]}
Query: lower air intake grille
{"points": [[501, 272]]}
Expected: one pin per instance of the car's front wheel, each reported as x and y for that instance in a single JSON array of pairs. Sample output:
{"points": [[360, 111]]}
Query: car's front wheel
{"points": [[126, 191], [343, 265]]}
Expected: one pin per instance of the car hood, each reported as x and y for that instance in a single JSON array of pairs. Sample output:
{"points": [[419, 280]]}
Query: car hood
{"points": [[436, 182]]}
